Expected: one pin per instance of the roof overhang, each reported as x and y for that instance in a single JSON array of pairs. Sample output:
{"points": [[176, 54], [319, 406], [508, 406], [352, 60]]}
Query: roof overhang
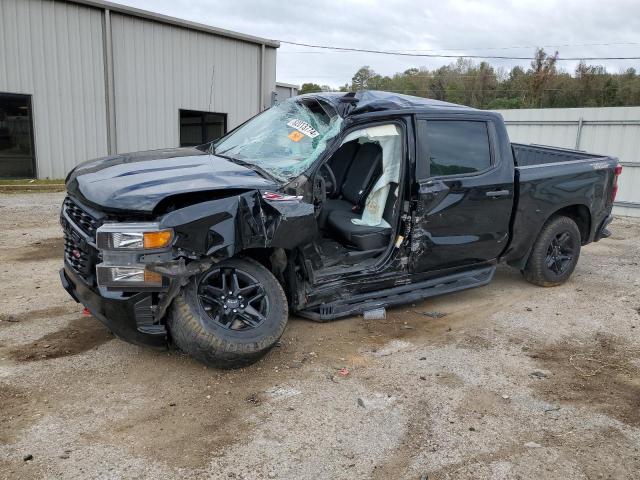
{"points": [[287, 85], [157, 17]]}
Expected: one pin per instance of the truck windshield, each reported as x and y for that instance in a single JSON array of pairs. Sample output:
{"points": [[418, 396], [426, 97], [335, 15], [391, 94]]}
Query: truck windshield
{"points": [[284, 140]]}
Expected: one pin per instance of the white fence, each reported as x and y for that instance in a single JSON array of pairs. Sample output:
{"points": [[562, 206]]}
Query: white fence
{"points": [[611, 131]]}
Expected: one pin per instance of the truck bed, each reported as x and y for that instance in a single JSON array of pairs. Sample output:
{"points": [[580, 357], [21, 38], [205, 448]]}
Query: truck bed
{"points": [[548, 179], [529, 155]]}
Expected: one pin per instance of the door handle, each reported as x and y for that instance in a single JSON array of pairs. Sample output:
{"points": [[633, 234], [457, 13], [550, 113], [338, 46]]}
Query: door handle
{"points": [[498, 193]]}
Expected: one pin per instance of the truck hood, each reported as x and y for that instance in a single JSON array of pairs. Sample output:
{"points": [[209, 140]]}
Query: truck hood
{"points": [[137, 182]]}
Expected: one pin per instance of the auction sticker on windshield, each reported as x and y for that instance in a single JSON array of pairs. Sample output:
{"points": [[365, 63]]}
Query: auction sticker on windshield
{"points": [[303, 127], [295, 136]]}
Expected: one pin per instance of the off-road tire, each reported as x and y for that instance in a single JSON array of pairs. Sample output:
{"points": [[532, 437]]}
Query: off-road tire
{"points": [[537, 270], [216, 346]]}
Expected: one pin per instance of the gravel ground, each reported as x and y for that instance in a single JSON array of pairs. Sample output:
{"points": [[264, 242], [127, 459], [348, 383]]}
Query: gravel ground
{"points": [[515, 381]]}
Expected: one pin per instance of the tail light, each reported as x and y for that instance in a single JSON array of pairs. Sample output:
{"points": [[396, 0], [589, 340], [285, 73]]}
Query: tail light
{"points": [[616, 172]]}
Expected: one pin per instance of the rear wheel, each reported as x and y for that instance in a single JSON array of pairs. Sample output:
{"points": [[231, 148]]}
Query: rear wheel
{"points": [[231, 315], [555, 253]]}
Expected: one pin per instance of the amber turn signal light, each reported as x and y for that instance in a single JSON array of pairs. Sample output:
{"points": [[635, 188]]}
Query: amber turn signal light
{"points": [[154, 278], [159, 239]]}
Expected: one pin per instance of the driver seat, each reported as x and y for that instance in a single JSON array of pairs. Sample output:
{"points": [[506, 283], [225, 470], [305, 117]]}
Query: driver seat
{"points": [[365, 237], [365, 169]]}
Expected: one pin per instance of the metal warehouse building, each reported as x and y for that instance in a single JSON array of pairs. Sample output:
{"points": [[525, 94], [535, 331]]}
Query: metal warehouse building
{"points": [[84, 78], [285, 90]]}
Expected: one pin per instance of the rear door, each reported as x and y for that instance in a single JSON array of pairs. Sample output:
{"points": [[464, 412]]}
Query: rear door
{"points": [[464, 186]]}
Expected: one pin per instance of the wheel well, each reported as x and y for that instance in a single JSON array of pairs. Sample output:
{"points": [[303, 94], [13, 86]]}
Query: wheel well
{"points": [[281, 263], [273, 259], [579, 214]]}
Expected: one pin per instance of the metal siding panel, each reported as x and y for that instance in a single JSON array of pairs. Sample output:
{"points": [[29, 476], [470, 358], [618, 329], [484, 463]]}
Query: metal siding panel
{"points": [[622, 141], [48, 50], [269, 74], [629, 183], [160, 69], [283, 93], [629, 211]]}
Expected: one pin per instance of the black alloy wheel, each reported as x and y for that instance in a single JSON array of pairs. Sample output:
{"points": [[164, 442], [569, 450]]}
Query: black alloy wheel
{"points": [[233, 298], [555, 253], [231, 315], [560, 253]]}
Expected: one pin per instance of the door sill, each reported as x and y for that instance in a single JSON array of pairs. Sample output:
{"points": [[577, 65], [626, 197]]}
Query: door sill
{"points": [[410, 292]]}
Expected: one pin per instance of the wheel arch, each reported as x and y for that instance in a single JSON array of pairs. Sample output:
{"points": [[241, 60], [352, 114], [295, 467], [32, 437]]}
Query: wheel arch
{"points": [[578, 212], [281, 263]]}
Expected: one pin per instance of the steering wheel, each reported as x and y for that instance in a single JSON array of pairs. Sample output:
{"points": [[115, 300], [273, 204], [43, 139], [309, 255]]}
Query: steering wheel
{"points": [[332, 179]]}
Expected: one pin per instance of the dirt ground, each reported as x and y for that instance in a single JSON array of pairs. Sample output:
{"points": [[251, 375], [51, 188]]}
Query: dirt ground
{"points": [[514, 382]]}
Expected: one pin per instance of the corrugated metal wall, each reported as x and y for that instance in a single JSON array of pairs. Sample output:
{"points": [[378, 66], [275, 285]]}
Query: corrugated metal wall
{"points": [[53, 51], [269, 75], [285, 91], [159, 69], [612, 131]]}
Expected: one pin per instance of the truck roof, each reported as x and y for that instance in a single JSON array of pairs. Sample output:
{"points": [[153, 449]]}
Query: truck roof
{"points": [[365, 101]]}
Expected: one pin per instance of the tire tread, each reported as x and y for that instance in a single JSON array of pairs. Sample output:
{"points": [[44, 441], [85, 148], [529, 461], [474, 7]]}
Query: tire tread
{"points": [[535, 269], [189, 334]]}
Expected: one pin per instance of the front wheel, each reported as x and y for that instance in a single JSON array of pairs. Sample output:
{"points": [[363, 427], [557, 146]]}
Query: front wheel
{"points": [[555, 253], [229, 316]]}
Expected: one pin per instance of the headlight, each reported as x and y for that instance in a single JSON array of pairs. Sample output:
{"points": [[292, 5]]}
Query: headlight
{"points": [[127, 276], [133, 236]]}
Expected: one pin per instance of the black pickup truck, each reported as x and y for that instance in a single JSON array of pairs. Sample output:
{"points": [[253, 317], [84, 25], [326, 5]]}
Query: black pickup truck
{"points": [[325, 205]]}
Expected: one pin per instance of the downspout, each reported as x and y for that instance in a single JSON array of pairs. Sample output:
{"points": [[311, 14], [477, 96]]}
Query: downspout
{"points": [[109, 83], [262, 95]]}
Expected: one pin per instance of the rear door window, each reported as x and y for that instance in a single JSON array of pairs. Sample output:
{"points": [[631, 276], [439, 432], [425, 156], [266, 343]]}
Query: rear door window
{"points": [[457, 147]]}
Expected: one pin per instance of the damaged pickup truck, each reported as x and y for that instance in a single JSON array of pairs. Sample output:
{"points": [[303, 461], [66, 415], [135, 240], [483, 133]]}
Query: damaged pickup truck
{"points": [[325, 205]]}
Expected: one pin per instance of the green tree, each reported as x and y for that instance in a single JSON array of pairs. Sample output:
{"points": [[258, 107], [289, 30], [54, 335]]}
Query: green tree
{"points": [[543, 70], [310, 88], [361, 79], [481, 85]]}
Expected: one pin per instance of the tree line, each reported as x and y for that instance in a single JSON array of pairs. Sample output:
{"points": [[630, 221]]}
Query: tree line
{"points": [[480, 85]]}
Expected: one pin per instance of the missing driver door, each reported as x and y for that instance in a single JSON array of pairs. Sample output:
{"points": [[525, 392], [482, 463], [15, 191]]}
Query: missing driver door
{"points": [[365, 239]]}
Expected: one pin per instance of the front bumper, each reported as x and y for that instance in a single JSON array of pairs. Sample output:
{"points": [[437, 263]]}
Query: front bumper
{"points": [[127, 316]]}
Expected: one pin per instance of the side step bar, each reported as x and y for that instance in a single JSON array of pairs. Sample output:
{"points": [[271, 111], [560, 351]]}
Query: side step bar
{"points": [[411, 292]]}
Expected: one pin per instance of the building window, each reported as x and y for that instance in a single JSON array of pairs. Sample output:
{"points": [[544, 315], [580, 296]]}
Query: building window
{"points": [[17, 158], [197, 128]]}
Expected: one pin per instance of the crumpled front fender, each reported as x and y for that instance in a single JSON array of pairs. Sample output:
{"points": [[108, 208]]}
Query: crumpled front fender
{"points": [[224, 227]]}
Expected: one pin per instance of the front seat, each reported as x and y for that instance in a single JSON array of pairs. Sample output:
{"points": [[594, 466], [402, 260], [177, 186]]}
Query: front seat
{"points": [[341, 161], [365, 169], [365, 237]]}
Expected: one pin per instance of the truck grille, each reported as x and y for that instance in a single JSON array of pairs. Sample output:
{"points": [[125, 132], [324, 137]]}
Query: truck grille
{"points": [[81, 218], [79, 259], [79, 234]]}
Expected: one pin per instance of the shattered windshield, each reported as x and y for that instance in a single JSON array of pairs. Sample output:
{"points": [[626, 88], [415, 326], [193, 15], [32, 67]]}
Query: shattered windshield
{"points": [[284, 140]]}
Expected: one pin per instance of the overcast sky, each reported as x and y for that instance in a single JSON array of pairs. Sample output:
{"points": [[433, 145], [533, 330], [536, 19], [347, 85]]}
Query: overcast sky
{"points": [[459, 26]]}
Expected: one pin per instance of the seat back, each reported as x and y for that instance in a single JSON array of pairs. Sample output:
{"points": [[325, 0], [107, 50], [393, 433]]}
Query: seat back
{"points": [[390, 205], [364, 170], [341, 161]]}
